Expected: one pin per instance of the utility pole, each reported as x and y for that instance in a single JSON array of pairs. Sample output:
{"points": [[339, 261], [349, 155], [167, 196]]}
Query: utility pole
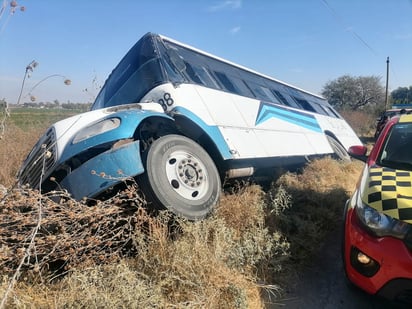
{"points": [[387, 82]]}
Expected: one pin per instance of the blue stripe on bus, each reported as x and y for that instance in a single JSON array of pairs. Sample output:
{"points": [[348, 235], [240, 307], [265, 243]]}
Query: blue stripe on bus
{"points": [[213, 131], [268, 111]]}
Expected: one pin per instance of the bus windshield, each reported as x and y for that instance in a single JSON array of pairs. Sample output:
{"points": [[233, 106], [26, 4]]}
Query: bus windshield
{"points": [[137, 73]]}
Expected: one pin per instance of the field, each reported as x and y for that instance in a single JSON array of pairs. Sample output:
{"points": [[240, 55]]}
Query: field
{"points": [[115, 255]]}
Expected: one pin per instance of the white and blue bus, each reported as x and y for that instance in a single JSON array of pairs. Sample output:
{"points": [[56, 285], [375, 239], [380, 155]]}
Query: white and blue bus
{"points": [[181, 121]]}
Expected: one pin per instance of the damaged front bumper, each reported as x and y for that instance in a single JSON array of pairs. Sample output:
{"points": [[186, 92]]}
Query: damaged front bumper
{"points": [[104, 171]]}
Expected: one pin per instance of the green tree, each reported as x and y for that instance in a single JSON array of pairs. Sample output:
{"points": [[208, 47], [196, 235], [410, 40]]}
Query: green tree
{"points": [[355, 92], [402, 95]]}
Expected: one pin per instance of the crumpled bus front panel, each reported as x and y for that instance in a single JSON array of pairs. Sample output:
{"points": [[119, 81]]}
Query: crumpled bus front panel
{"points": [[104, 171]]}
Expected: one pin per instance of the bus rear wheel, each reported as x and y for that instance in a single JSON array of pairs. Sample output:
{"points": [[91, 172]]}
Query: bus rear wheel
{"points": [[181, 177], [340, 152]]}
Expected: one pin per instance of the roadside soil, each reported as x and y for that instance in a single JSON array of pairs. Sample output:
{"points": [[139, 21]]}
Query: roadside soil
{"points": [[323, 284]]}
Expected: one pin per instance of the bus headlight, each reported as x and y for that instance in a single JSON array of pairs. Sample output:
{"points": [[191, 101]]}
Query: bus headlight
{"points": [[96, 129], [380, 224]]}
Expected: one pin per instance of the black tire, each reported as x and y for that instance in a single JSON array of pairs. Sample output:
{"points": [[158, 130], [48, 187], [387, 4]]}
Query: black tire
{"points": [[340, 152], [181, 177]]}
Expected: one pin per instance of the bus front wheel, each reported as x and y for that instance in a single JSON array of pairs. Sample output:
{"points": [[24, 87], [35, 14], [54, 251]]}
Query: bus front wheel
{"points": [[181, 177]]}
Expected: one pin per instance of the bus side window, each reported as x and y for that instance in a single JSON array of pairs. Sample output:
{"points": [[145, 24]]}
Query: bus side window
{"points": [[225, 81], [282, 98], [261, 92], [279, 96], [241, 85], [192, 75], [320, 109], [269, 94], [332, 112], [305, 104], [207, 79]]}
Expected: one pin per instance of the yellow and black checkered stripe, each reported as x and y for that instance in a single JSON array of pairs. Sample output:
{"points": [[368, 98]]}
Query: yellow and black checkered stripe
{"points": [[390, 192]]}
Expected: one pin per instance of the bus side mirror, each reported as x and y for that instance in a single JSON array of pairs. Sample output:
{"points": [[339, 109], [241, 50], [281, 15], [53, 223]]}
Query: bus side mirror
{"points": [[358, 152]]}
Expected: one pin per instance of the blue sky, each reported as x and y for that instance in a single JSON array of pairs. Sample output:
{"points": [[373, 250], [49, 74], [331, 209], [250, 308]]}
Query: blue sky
{"points": [[305, 43]]}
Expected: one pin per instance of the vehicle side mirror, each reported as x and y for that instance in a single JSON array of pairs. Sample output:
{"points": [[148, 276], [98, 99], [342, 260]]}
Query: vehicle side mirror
{"points": [[358, 152]]}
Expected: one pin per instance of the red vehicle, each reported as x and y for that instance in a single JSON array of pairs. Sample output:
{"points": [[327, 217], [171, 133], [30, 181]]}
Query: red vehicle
{"points": [[377, 238]]}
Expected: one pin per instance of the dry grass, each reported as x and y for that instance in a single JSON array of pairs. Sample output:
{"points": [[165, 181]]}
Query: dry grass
{"points": [[118, 258], [325, 175], [14, 146], [318, 197], [65, 234]]}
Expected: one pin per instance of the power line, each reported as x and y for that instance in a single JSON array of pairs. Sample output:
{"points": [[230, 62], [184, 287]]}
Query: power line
{"points": [[340, 20]]}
